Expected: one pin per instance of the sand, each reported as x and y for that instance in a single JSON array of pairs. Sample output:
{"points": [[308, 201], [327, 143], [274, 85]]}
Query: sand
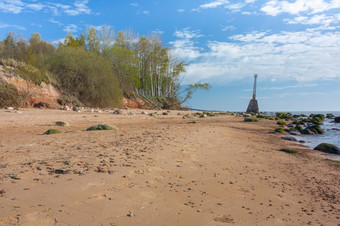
{"points": [[159, 170]]}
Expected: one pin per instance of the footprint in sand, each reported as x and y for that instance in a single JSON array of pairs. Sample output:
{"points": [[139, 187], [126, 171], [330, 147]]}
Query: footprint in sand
{"points": [[224, 219]]}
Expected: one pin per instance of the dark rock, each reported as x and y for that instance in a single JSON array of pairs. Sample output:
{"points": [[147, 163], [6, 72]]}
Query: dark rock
{"points": [[60, 171], [328, 148], [299, 128], [336, 129], [295, 133], [41, 105], [307, 132], [330, 116], [289, 138], [313, 129], [337, 119], [316, 129]]}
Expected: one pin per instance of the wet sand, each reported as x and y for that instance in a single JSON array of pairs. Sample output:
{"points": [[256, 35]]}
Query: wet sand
{"points": [[160, 170]]}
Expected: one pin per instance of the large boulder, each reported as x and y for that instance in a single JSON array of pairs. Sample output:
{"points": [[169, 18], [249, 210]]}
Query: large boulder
{"points": [[337, 119], [328, 148]]}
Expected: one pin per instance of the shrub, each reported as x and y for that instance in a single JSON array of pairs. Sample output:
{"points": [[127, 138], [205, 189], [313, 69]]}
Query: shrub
{"points": [[87, 76], [9, 96], [281, 123], [60, 123], [279, 130], [250, 120], [288, 150], [101, 127], [52, 131]]}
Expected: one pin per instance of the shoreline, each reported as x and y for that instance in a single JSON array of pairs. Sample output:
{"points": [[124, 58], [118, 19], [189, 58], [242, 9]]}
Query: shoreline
{"points": [[159, 169]]}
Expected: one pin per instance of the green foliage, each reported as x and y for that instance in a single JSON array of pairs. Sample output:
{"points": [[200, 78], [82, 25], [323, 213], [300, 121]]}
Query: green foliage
{"points": [[87, 76], [60, 123], [52, 131], [330, 116], [279, 130], [260, 116], [9, 96], [283, 115], [316, 129], [26, 71], [125, 66], [250, 120], [101, 127], [281, 123], [95, 67], [290, 151]]}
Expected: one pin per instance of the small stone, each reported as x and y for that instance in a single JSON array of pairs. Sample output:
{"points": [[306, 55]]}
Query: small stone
{"points": [[289, 138], [60, 171], [130, 214]]}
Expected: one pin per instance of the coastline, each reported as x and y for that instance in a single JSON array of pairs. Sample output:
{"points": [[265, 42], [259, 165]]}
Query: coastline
{"points": [[163, 169]]}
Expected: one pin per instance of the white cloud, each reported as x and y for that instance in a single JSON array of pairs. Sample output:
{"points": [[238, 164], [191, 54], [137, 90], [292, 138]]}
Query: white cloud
{"points": [[55, 22], [11, 6], [146, 12], [184, 45], [320, 19], [214, 4], [36, 7], [80, 8], [134, 4], [36, 25], [276, 7], [284, 87], [180, 10], [17, 6], [228, 28], [17, 27], [158, 32], [301, 56], [234, 7], [186, 33], [71, 28]]}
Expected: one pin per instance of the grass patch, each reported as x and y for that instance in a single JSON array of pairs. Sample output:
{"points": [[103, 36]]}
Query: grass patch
{"points": [[250, 120], [192, 122], [281, 123], [60, 123], [279, 130], [52, 131], [290, 151], [9, 96], [101, 127]]}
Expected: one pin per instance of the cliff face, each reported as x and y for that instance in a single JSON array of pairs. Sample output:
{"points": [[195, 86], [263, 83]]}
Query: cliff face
{"points": [[34, 95], [46, 95]]}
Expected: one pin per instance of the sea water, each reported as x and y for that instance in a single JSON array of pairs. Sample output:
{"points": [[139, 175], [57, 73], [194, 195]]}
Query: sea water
{"points": [[331, 135]]}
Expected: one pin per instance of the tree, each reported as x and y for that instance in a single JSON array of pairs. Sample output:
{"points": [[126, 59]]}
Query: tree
{"points": [[190, 90], [86, 75], [93, 40]]}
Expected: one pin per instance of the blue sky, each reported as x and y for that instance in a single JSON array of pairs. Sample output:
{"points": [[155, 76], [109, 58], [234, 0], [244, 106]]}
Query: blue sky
{"points": [[293, 45]]}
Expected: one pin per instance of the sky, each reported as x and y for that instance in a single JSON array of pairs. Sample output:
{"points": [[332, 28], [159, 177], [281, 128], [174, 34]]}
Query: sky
{"points": [[293, 45]]}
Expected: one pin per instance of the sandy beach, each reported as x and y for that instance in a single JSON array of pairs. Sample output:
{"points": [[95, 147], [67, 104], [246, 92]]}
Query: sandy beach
{"points": [[162, 170]]}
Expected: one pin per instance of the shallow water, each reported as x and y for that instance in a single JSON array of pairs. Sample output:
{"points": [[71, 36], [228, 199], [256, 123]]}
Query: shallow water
{"points": [[330, 136]]}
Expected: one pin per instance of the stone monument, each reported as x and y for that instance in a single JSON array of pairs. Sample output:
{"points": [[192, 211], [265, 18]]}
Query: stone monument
{"points": [[253, 107]]}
